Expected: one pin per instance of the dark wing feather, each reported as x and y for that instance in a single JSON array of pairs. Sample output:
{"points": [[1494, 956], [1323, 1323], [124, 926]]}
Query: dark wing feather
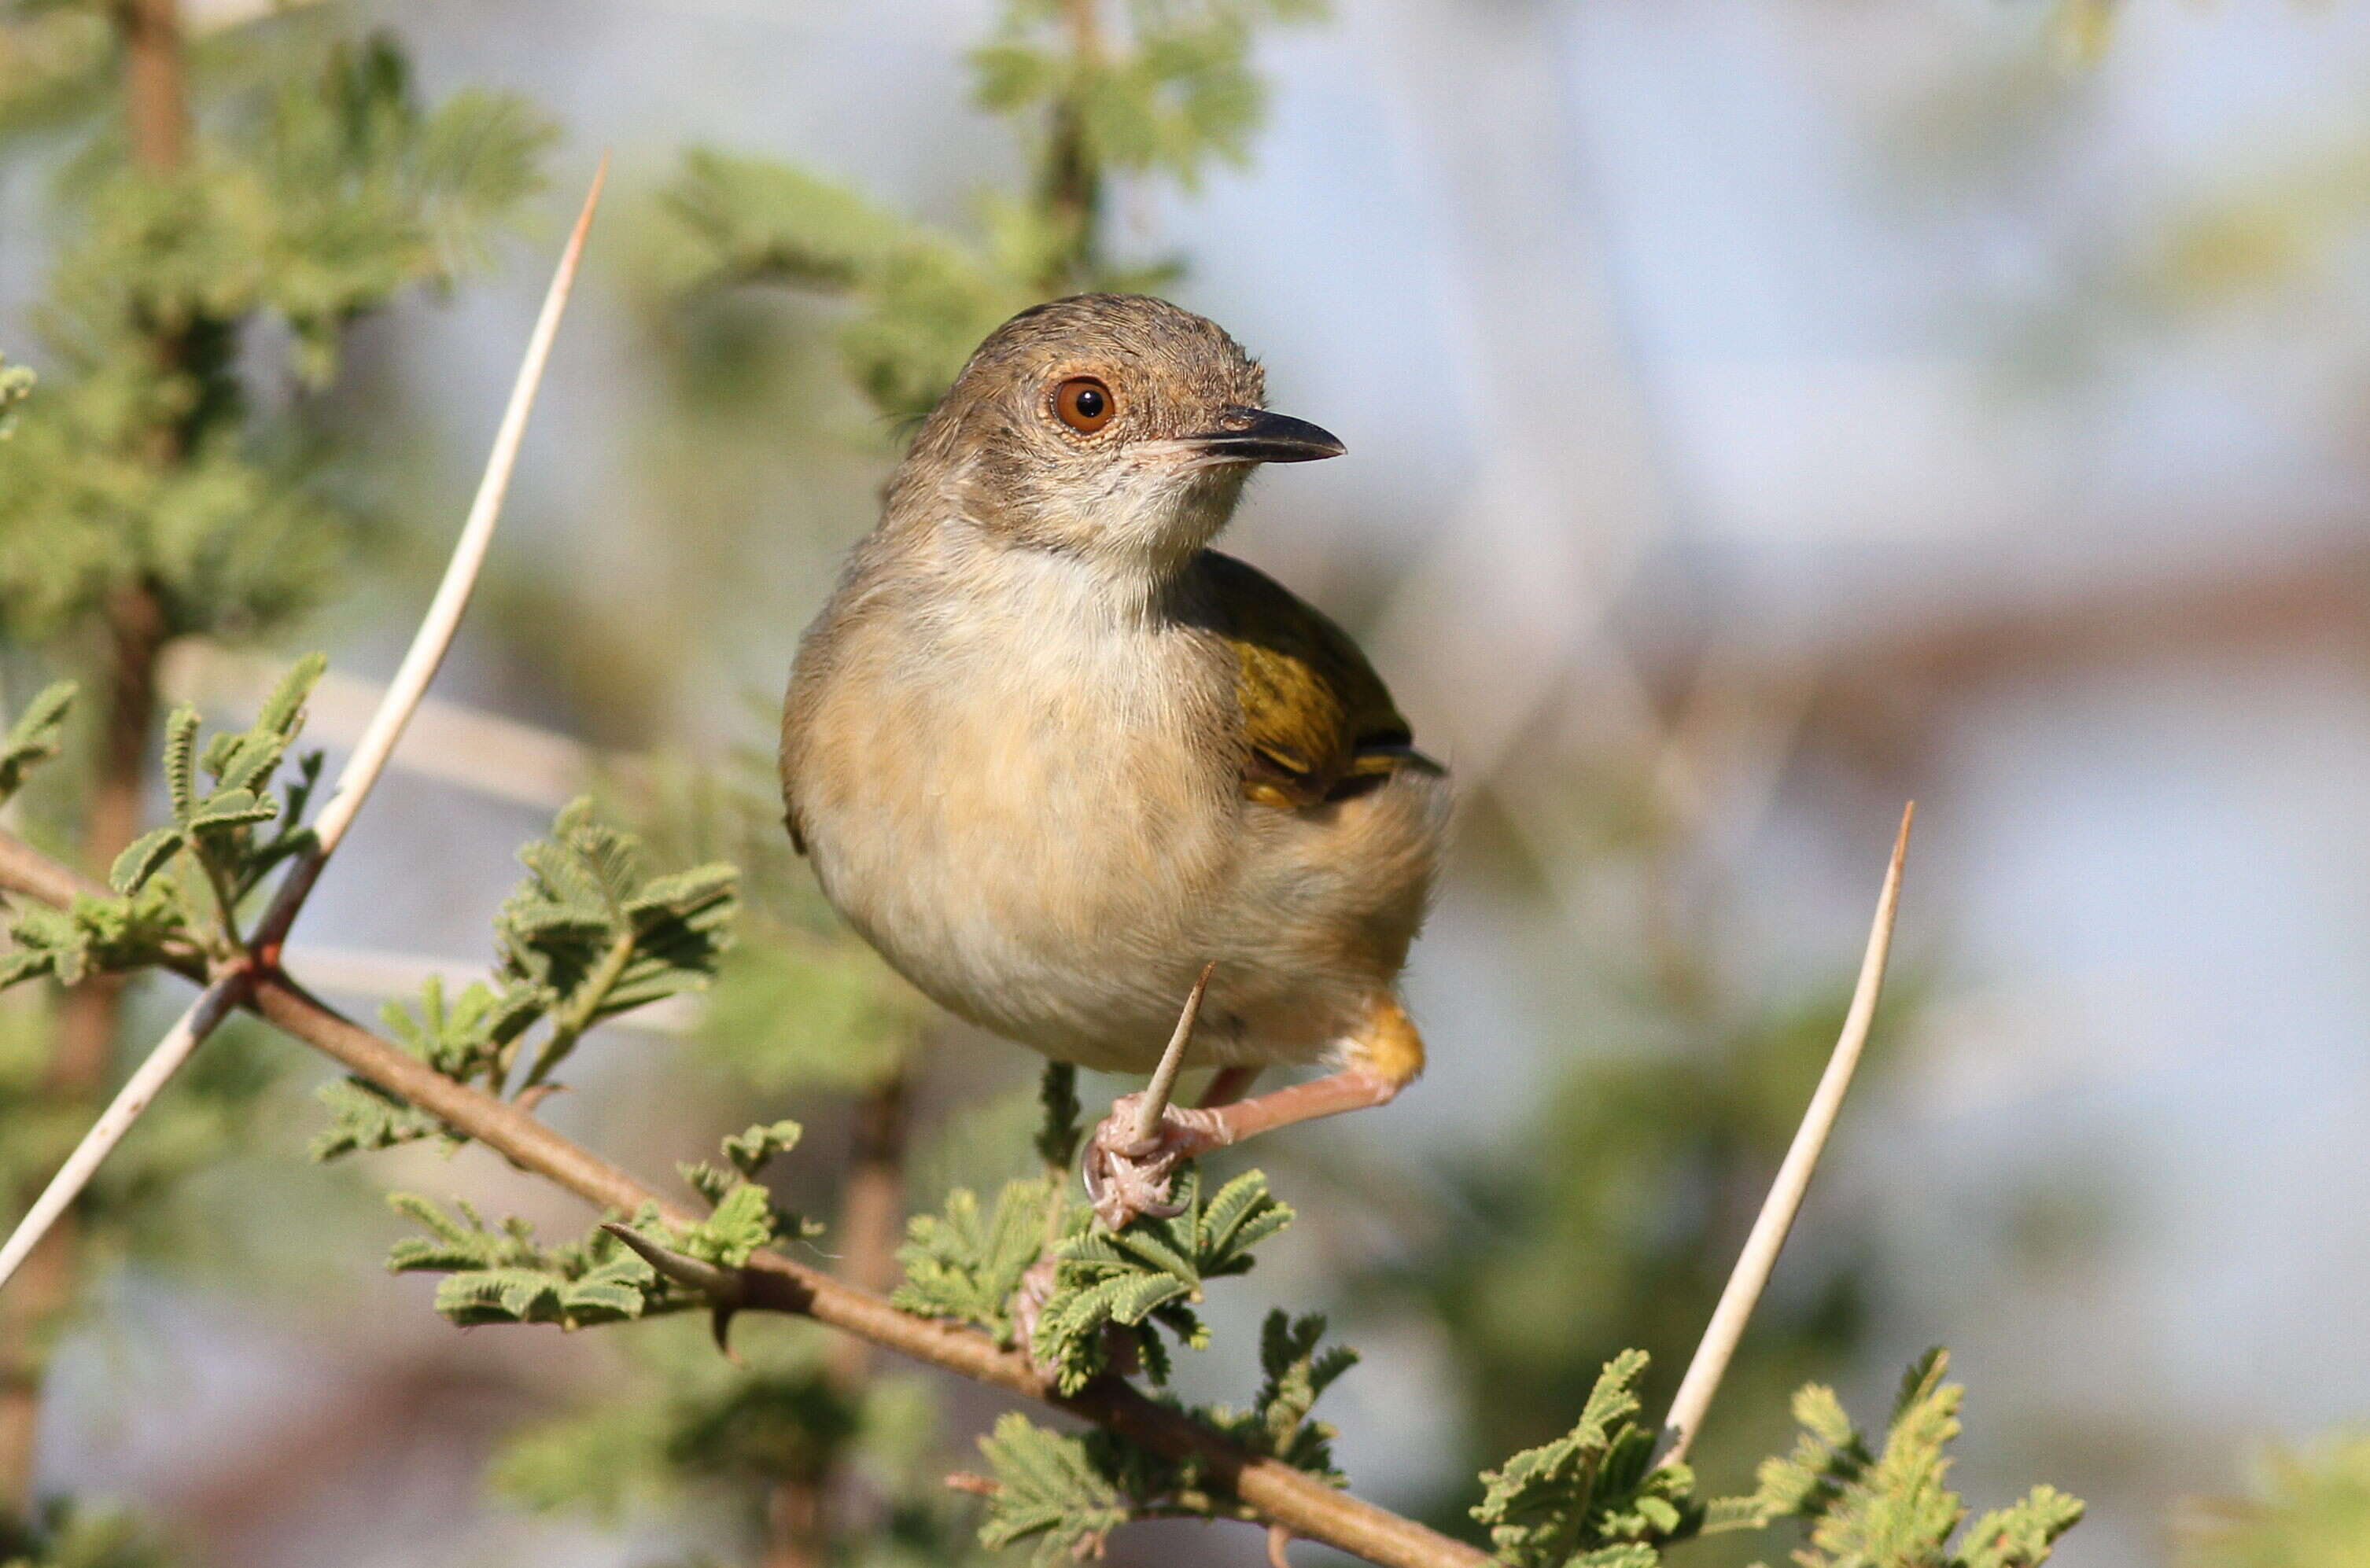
{"points": [[1319, 724]]}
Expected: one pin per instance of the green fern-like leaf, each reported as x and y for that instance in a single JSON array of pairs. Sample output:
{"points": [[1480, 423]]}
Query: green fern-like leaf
{"points": [[1113, 1287], [1297, 1373], [217, 818], [502, 1274], [34, 737], [1594, 1494], [95, 935], [1059, 1129], [464, 1039], [1051, 1490], [1874, 1508], [2021, 1534], [752, 1149], [143, 857], [967, 1266], [590, 933], [364, 1116]]}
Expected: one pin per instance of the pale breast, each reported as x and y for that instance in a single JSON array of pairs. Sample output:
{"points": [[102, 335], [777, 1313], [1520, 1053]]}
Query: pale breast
{"points": [[1010, 789]]}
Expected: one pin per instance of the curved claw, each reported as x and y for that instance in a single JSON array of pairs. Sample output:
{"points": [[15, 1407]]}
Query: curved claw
{"points": [[1126, 1175]]}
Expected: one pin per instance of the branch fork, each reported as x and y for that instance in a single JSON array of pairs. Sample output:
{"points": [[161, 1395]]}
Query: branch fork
{"points": [[232, 987]]}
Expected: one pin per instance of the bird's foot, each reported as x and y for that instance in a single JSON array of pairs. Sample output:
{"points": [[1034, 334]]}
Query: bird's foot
{"points": [[1127, 1176]]}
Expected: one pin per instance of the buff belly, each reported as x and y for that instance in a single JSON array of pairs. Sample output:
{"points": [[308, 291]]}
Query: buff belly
{"points": [[1067, 901]]}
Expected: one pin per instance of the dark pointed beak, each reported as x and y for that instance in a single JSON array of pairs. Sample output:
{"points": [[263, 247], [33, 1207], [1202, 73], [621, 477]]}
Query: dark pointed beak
{"points": [[1254, 435]]}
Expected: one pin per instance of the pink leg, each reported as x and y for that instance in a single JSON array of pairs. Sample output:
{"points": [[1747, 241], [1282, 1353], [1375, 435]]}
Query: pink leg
{"points": [[1229, 1085], [1126, 1177]]}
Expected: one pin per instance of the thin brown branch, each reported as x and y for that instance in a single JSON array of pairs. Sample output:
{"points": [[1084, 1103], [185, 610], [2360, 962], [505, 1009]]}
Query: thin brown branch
{"points": [[1275, 1492], [772, 1283], [873, 1209], [88, 1019], [28, 873], [155, 82]]}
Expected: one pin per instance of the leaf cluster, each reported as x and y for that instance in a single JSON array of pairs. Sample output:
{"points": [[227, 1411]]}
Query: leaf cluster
{"points": [[1113, 1287], [1110, 1290], [502, 1274], [1593, 1498], [216, 823], [968, 1267], [1169, 89], [924, 298], [1166, 90], [589, 933], [1065, 1492], [216, 827], [312, 200], [1297, 1372], [35, 737], [1889, 1508], [94, 935]]}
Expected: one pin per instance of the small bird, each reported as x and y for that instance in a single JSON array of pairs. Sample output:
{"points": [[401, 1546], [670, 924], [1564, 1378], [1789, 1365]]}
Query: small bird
{"points": [[1052, 754]]}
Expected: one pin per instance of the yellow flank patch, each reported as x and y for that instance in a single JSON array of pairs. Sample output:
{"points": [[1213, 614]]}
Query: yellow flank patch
{"points": [[1389, 1044]]}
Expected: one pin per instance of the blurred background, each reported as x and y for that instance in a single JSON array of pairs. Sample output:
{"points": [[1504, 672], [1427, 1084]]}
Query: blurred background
{"points": [[1759, 414]]}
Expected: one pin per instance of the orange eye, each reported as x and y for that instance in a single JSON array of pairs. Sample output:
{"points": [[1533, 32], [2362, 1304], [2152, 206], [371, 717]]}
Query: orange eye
{"points": [[1083, 404]]}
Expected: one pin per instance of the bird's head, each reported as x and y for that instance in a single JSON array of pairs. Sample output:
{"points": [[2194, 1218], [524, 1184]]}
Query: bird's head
{"points": [[1112, 425]]}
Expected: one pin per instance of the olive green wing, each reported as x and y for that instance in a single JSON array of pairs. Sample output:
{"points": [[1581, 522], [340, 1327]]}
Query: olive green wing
{"points": [[1319, 724]]}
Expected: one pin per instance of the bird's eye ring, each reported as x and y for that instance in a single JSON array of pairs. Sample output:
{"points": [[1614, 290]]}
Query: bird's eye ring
{"points": [[1083, 404]]}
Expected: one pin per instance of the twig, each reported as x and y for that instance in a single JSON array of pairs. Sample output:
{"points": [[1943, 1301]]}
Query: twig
{"points": [[1155, 1103], [155, 82], [430, 644], [1742, 1291], [1273, 1490], [873, 1209], [773, 1283], [569, 1027], [26, 871], [448, 741], [354, 781], [213, 1004], [364, 972]]}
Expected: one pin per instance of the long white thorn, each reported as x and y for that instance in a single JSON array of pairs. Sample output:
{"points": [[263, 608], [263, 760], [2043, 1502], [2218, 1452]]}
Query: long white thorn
{"points": [[354, 781], [1785, 1200], [434, 638], [213, 1003], [1155, 1103]]}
